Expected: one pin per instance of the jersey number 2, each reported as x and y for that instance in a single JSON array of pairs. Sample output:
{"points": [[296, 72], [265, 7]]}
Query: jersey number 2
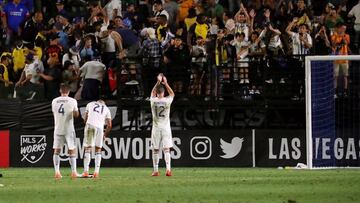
{"points": [[97, 107], [160, 111]]}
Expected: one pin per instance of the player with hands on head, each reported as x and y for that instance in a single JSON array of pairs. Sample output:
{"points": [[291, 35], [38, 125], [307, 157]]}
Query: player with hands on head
{"points": [[161, 136]]}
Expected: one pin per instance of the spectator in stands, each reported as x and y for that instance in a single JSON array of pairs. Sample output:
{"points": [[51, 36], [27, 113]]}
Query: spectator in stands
{"points": [[151, 55], [52, 78], [66, 31], [355, 12], [340, 44], [177, 60], [242, 22], [87, 51], [130, 41], [322, 42], [72, 55], [28, 84], [171, 7], [70, 76], [162, 28], [229, 22], [198, 29], [333, 19], [184, 9], [54, 50], [213, 9], [132, 17], [14, 14], [190, 19], [4, 75], [31, 29], [113, 8], [158, 10], [301, 40], [92, 73], [19, 54]]}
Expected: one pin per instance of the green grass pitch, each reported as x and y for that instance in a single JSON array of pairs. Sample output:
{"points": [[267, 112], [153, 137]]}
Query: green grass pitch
{"points": [[186, 185]]}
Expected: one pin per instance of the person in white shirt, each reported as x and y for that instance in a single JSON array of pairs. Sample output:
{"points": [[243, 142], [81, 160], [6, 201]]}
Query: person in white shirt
{"points": [[113, 9], [301, 40], [161, 136], [64, 109], [355, 12], [97, 114]]}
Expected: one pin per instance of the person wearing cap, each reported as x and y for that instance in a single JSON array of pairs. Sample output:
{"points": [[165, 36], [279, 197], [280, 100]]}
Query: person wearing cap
{"points": [[72, 55], [13, 15], [66, 30]]}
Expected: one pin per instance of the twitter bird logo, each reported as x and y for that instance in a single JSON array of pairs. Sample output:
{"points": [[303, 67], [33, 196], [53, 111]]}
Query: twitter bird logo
{"points": [[231, 149]]}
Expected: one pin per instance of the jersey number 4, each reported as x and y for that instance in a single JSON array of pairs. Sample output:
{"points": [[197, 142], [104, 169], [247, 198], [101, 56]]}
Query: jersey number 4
{"points": [[61, 109]]}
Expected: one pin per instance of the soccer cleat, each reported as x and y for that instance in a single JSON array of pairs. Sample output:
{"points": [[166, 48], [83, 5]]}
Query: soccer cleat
{"points": [[168, 173], [155, 173], [96, 175], [58, 176], [74, 175], [85, 174]]}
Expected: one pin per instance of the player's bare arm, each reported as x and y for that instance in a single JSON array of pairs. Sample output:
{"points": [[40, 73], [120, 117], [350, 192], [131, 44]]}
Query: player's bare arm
{"points": [[167, 86], [153, 91], [76, 114], [86, 116], [108, 127]]}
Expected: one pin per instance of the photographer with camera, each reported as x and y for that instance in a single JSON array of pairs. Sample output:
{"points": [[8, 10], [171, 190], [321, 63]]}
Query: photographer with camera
{"points": [[340, 45]]}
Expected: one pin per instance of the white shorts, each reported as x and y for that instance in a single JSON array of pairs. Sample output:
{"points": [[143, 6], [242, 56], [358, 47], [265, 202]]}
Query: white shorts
{"points": [[70, 139], [161, 138], [93, 136]]}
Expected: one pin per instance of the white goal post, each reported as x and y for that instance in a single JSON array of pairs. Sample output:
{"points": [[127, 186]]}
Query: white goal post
{"points": [[308, 98]]}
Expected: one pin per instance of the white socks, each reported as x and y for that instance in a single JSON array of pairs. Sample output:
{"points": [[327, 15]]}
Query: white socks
{"points": [[167, 160], [72, 161], [86, 161], [156, 161], [97, 162], [56, 160]]}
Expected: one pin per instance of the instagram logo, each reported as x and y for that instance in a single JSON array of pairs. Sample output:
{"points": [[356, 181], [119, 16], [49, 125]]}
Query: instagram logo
{"points": [[200, 147]]}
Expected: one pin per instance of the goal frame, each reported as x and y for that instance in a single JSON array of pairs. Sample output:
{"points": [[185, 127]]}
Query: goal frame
{"points": [[308, 60]]}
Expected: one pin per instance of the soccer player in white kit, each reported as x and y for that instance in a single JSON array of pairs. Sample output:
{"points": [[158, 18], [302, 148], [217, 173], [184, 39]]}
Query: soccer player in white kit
{"points": [[64, 109], [97, 114], [161, 136]]}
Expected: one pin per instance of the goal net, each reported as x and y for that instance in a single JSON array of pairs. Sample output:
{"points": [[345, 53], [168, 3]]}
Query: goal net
{"points": [[332, 113]]}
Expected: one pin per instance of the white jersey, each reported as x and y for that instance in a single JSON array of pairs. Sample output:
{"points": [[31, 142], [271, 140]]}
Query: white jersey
{"points": [[160, 109], [63, 108], [97, 112]]}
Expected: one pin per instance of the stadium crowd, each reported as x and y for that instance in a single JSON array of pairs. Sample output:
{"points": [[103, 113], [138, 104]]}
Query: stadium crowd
{"points": [[206, 48]]}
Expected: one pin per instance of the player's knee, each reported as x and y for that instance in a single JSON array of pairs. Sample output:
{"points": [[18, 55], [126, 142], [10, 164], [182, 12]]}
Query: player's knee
{"points": [[97, 149], [166, 149], [56, 151], [156, 151], [71, 152]]}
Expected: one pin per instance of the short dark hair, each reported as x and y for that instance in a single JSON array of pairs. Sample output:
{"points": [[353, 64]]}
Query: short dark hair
{"points": [[160, 89], [64, 88]]}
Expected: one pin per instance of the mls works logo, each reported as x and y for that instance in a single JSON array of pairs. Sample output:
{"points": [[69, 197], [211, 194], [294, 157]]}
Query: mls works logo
{"points": [[231, 149], [32, 147]]}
